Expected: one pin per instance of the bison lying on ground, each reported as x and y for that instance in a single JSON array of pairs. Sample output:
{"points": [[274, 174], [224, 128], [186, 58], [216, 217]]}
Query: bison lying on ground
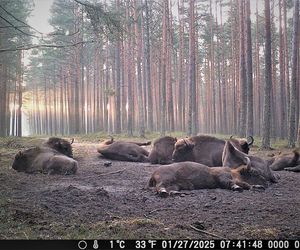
{"points": [[191, 175], [123, 151], [206, 149], [162, 150], [45, 160], [289, 162], [61, 145], [233, 157]]}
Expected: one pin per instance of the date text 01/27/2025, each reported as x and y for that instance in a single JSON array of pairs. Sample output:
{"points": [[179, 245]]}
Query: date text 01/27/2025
{"points": [[203, 244]]}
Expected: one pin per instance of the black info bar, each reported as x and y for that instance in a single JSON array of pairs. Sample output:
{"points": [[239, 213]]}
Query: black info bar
{"points": [[146, 244]]}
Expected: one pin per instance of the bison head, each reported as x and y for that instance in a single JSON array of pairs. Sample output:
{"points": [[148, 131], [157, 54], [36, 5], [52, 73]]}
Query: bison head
{"points": [[183, 150], [242, 144], [20, 162], [250, 175], [232, 156], [61, 145]]}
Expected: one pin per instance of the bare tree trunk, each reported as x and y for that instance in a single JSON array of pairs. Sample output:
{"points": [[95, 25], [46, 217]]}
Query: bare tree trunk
{"points": [[243, 78], [148, 70], [292, 118], [164, 68], [268, 79], [3, 100], [249, 73], [138, 44], [192, 72], [130, 92], [286, 55], [282, 106]]}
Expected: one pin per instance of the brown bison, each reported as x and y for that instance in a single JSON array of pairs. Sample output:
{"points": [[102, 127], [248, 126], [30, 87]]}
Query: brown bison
{"points": [[123, 151], [45, 160], [206, 149], [162, 150], [233, 157], [191, 175], [61, 145], [289, 162]]}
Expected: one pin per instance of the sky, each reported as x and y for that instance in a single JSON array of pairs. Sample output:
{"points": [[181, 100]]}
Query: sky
{"points": [[40, 15]]}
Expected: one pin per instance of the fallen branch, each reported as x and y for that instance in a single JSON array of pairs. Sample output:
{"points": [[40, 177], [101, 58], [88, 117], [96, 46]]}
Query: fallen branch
{"points": [[161, 209], [205, 232], [115, 172]]}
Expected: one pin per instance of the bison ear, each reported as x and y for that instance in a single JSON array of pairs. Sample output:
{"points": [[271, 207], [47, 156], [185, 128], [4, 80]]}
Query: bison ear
{"points": [[250, 140], [175, 139]]}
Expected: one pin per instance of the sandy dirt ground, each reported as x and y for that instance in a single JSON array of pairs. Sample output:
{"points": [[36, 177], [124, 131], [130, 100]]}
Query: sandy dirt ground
{"points": [[112, 202]]}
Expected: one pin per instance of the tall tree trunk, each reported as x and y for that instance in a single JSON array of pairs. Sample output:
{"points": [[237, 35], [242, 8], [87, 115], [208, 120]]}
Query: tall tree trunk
{"points": [[3, 99], [268, 79], [293, 93], [148, 70], [249, 73], [138, 44], [118, 79], [192, 71], [20, 95], [286, 55], [164, 68], [282, 106], [243, 78], [130, 91]]}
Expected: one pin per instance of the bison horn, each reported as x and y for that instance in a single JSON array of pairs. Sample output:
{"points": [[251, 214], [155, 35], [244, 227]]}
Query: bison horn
{"points": [[72, 140], [250, 140], [231, 137], [248, 164]]}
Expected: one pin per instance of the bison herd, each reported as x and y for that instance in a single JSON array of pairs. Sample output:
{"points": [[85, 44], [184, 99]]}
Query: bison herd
{"points": [[189, 163]]}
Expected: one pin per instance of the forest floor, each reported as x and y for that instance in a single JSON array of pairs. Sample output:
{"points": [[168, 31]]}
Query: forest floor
{"points": [[102, 202]]}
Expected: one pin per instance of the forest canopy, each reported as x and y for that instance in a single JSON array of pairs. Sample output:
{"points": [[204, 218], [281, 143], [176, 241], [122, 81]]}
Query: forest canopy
{"points": [[132, 66]]}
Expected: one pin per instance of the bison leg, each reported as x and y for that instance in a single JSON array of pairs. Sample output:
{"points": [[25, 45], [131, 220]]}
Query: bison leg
{"points": [[136, 158], [166, 191], [293, 169], [236, 187], [259, 187], [243, 185], [162, 192]]}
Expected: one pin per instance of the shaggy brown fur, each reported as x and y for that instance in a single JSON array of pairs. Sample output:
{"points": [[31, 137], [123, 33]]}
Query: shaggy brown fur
{"points": [[162, 150], [45, 160], [123, 151], [286, 162], [190, 175], [205, 149]]}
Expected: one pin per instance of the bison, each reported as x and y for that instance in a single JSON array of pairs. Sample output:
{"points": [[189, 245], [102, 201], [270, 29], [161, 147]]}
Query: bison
{"points": [[206, 149], [61, 145], [45, 160], [187, 175], [233, 157], [286, 162], [123, 151], [162, 150]]}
